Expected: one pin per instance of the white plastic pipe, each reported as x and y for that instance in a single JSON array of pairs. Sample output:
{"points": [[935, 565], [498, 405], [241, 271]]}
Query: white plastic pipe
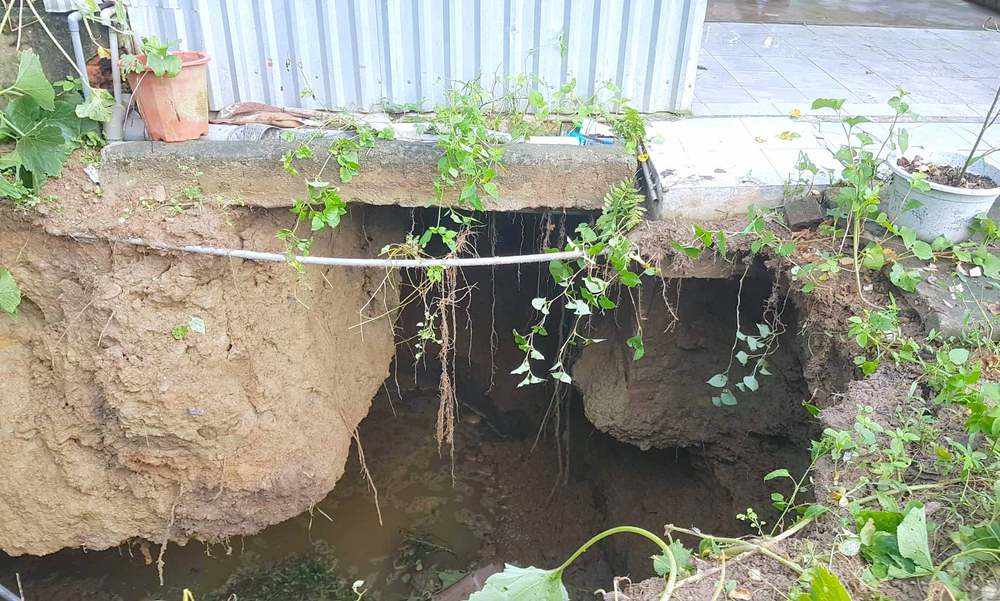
{"points": [[358, 262], [73, 24]]}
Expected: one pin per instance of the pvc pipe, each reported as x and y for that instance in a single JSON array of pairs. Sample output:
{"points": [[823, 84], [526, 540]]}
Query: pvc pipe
{"points": [[73, 24], [351, 261], [113, 130], [7, 595]]}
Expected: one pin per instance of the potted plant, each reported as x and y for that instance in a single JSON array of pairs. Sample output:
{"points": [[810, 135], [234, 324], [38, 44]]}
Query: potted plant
{"points": [[171, 89], [943, 193]]}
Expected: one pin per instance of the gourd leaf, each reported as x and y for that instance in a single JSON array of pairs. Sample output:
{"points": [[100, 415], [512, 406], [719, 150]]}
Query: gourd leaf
{"points": [[42, 151], [911, 536], [31, 81], [97, 107], [523, 584], [10, 294], [825, 586]]}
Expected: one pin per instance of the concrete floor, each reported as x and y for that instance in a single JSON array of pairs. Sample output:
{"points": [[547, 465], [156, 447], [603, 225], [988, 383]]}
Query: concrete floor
{"points": [[770, 69], [950, 14]]}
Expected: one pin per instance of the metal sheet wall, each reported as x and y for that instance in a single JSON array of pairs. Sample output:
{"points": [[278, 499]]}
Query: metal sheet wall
{"points": [[357, 54]]}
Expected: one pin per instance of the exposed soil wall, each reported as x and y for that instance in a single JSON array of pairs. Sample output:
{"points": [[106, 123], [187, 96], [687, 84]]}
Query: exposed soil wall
{"points": [[662, 400], [111, 428]]}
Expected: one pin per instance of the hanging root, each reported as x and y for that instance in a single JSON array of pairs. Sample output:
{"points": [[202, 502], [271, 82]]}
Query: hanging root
{"points": [[448, 301]]}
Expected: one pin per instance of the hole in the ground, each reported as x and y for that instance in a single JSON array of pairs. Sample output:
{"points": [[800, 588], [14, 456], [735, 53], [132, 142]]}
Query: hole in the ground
{"points": [[514, 493]]}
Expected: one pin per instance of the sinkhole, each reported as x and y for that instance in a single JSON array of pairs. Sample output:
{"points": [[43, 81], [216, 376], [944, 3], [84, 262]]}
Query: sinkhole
{"points": [[535, 470]]}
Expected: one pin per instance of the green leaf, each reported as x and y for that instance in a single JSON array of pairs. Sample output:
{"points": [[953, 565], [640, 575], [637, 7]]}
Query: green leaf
{"points": [[97, 107], [922, 250], [562, 377], [904, 278], [595, 285], [986, 536], [31, 81], [682, 557], [909, 236], [718, 380], [8, 189], [629, 279], [491, 189], [958, 356], [635, 343], [751, 383], [522, 584], [874, 257], [828, 103], [903, 140], [824, 586], [852, 121], [10, 293], [785, 249], [742, 357], [778, 473], [579, 307], [521, 369], [727, 398], [535, 99], [160, 59], [43, 151], [65, 118], [560, 271], [911, 536]]}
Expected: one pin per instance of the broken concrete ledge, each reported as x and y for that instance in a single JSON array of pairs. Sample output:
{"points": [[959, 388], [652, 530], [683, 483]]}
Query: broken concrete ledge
{"points": [[709, 200], [533, 176]]}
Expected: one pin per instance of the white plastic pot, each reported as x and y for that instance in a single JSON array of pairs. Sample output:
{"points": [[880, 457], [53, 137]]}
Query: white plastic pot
{"points": [[942, 210]]}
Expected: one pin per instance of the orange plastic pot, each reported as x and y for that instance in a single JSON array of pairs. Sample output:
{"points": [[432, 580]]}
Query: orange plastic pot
{"points": [[174, 109]]}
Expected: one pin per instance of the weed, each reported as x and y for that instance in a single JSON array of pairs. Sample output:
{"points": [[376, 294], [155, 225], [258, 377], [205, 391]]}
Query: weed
{"points": [[44, 126], [515, 583], [181, 331]]}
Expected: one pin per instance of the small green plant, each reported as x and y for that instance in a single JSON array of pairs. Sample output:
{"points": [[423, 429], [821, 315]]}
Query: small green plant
{"points": [[584, 286], [181, 331], [824, 586], [44, 127], [536, 584], [158, 57]]}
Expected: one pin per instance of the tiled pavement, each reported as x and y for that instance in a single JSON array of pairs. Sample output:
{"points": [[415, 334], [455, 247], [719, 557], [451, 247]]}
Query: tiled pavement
{"points": [[770, 69], [716, 167]]}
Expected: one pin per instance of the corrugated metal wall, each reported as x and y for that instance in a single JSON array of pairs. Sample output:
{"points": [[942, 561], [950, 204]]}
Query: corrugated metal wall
{"points": [[355, 54], [60, 6]]}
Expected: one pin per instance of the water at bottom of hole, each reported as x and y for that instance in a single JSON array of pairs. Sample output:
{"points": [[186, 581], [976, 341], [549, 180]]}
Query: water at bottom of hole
{"points": [[510, 500]]}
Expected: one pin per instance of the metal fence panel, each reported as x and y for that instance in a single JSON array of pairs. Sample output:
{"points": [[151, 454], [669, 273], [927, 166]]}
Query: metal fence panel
{"points": [[359, 54]]}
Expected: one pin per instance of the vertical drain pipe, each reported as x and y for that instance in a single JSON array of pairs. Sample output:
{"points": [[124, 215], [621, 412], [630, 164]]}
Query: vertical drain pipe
{"points": [[6, 595], [73, 23], [113, 129]]}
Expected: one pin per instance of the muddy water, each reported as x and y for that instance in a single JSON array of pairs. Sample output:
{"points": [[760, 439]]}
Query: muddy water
{"points": [[506, 502]]}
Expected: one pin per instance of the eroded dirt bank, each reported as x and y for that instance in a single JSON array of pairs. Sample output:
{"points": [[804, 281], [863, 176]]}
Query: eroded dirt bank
{"points": [[114, 425], [663, 400]]}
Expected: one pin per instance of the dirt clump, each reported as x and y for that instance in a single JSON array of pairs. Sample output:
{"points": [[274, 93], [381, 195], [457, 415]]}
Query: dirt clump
{"points": [[116, 424]]}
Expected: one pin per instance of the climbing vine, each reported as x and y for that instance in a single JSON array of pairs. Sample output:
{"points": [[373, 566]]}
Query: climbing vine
{"points": [[471, 129]]}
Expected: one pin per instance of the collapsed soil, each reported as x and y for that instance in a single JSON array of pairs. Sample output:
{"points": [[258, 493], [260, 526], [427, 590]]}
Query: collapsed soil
{"points": [[115, 428], [947, 175], [511, 499]]}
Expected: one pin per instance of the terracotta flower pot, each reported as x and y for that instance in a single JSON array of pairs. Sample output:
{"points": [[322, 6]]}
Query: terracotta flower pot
{"points": [[174, 109]]}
